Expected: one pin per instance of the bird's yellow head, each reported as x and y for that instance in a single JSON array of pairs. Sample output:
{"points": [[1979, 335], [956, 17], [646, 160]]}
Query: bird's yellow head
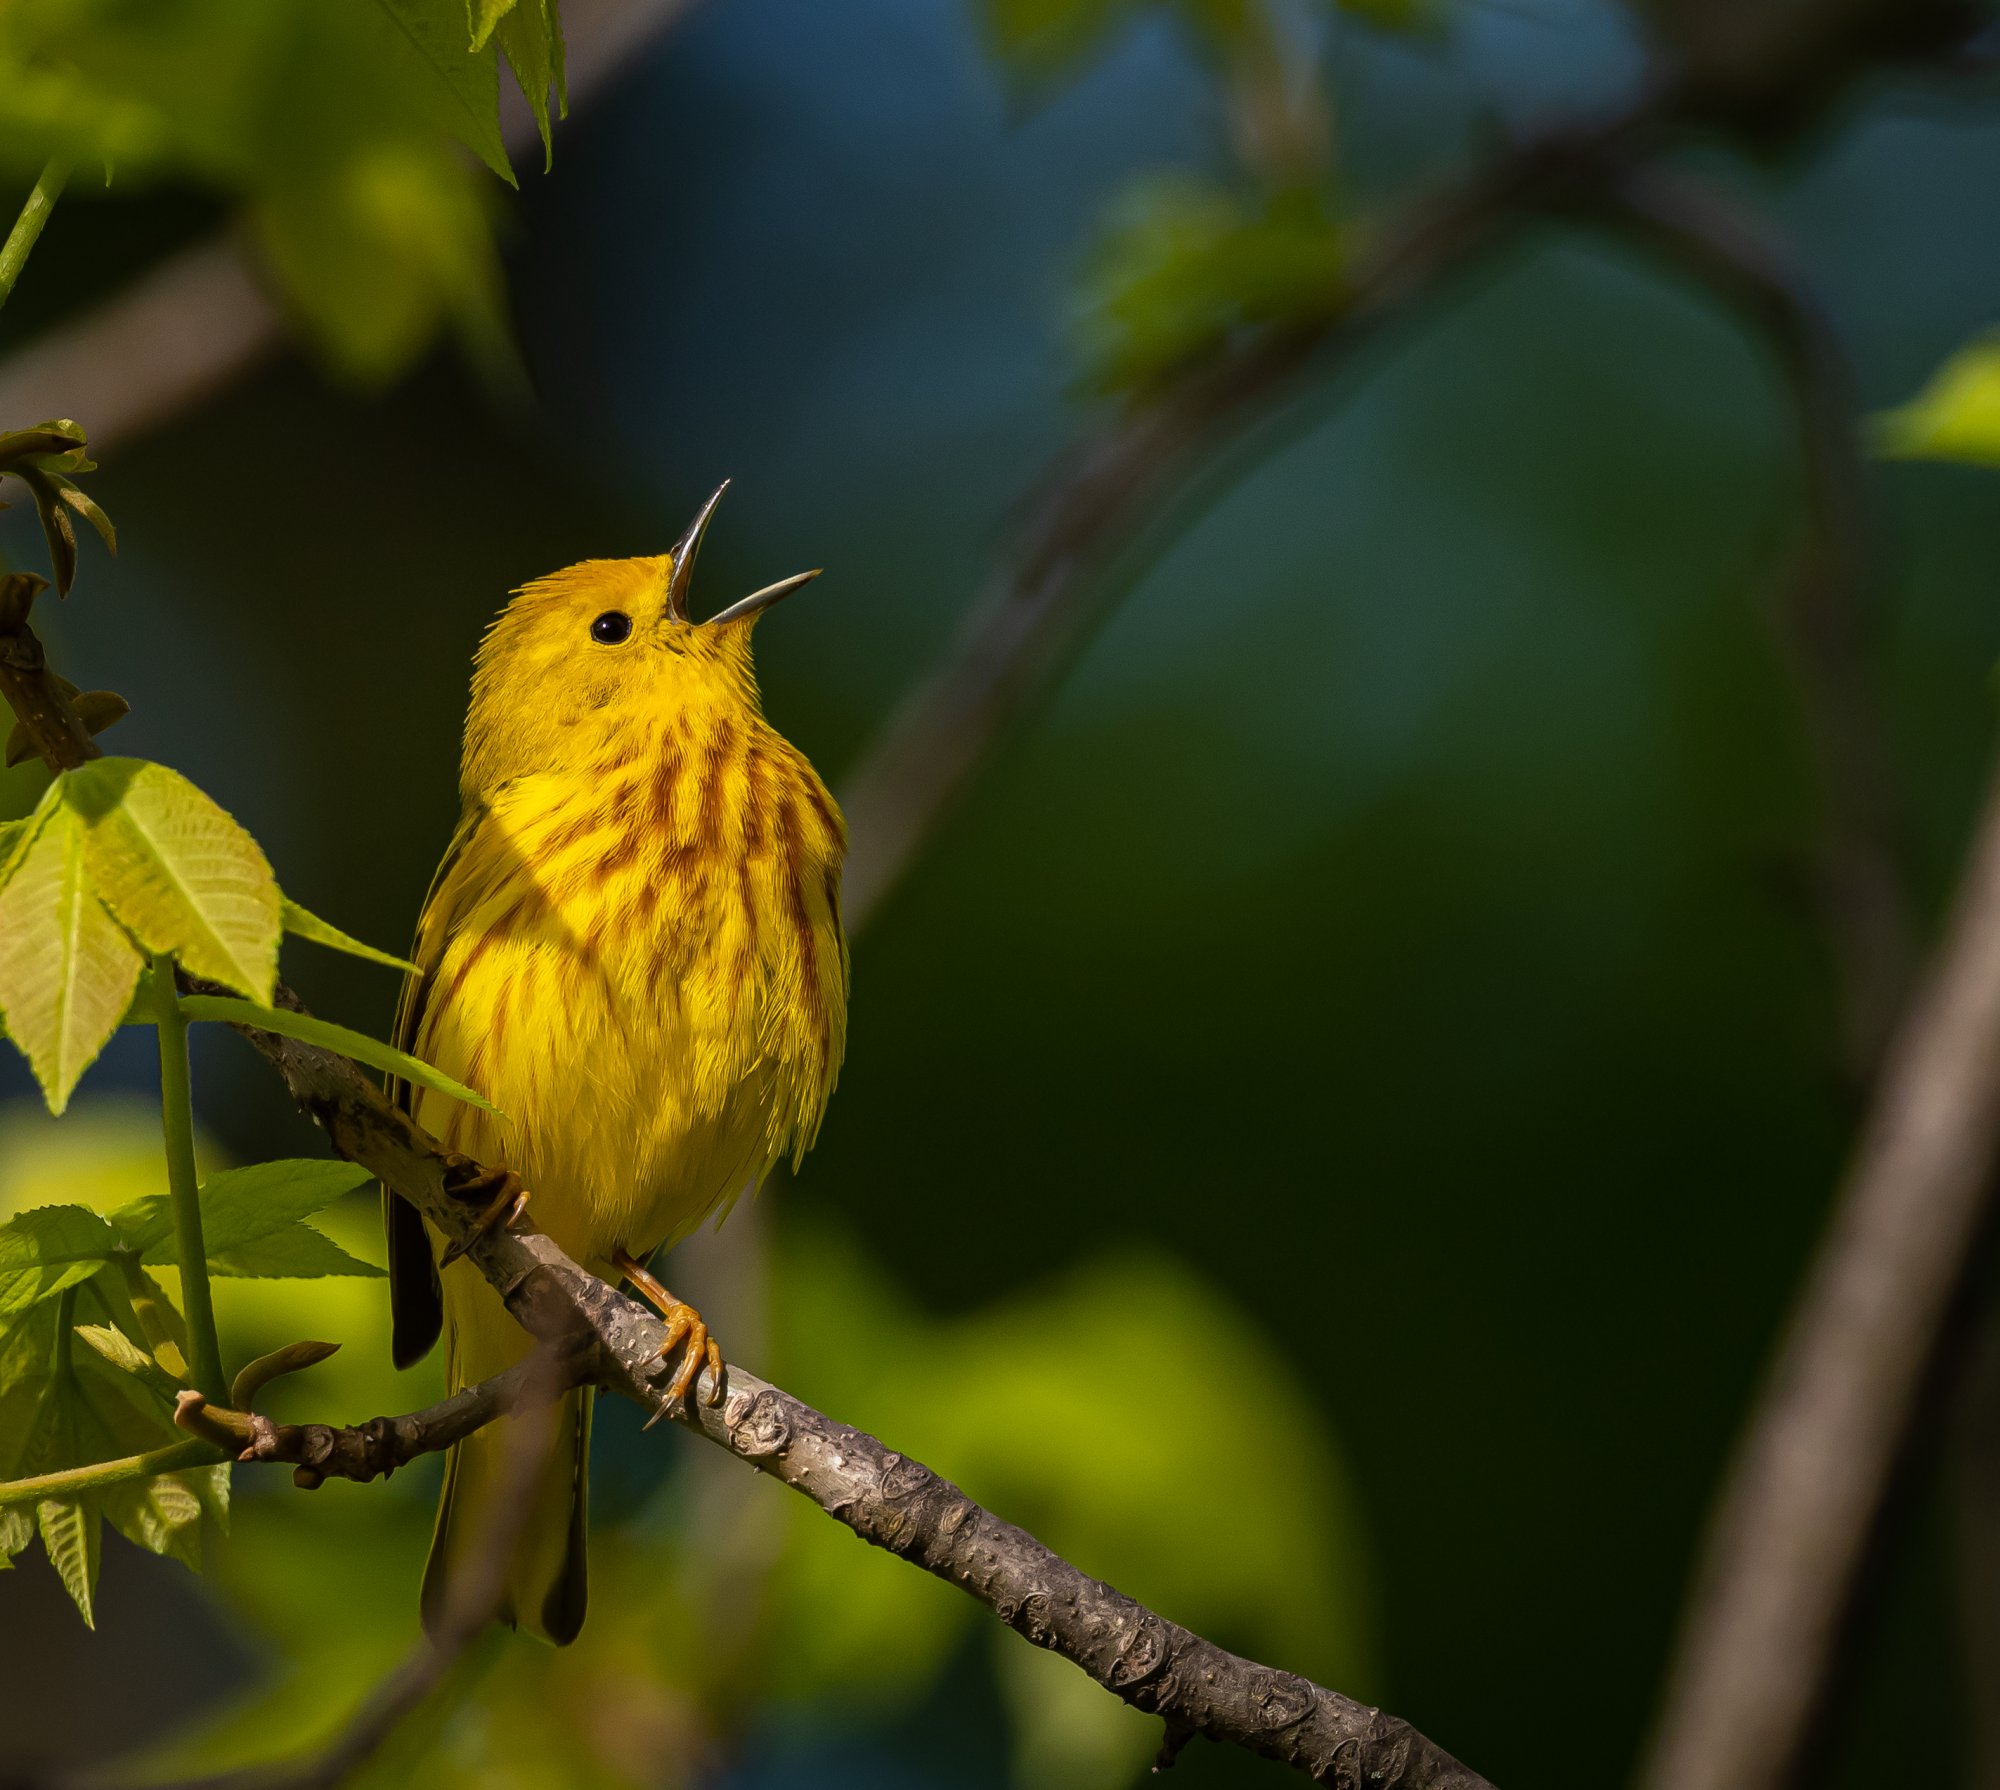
{"points": [[584, 666]]}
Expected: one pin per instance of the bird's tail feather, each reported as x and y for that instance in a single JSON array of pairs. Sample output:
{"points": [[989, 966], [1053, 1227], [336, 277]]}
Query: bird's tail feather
{"points": [[544, 1583]]}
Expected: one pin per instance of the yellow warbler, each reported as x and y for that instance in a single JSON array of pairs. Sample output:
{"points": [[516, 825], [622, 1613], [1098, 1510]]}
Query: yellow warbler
{"points": [[633, 949]]}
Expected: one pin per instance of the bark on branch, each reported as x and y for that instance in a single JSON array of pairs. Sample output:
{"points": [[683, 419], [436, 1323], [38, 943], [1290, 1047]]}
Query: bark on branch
{"points": [[884, 1497], [318, 1452]]}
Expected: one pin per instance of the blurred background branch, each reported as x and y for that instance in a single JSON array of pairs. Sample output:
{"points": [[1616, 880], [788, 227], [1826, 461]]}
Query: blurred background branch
{"points": [[1796, 1519]]}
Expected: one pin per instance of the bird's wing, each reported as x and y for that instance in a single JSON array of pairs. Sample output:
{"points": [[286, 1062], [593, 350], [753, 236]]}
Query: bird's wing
{"points": [[416, 1307]]}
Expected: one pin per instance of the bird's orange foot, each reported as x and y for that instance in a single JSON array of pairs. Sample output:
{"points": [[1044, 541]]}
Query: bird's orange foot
{"points": [[685, 1331], [498, 1193]]}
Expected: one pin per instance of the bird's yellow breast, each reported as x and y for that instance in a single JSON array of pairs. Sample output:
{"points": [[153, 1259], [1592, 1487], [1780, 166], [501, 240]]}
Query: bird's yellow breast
{"points": [[642, 966]]}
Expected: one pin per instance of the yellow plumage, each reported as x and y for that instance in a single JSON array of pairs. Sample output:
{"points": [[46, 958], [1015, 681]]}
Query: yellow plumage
{"points": [[633, 949]]}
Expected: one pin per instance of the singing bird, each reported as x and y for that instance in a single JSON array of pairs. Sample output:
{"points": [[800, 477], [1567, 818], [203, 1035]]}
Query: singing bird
{"points": [[632, 949]]}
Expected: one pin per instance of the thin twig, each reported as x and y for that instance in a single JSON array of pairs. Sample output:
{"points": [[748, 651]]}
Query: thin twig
{"points": [[1862, 881], [1796, 1516], [27, 230], [30, 688], [318, 1452], [472, 1597]]}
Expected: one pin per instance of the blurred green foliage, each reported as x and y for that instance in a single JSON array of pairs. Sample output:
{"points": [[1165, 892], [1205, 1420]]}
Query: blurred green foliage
{"points": [[331, 128], [1107, 1411], [1184, 266], [1956, 416]]}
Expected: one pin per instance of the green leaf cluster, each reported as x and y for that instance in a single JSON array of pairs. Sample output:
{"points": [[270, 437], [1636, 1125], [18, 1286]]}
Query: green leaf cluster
{"points": [[122, 860], [70, 1276], [1186, 266], [1045, 40], [1086, 1409], [73, 1393], [48, 459], [1956, 416], [1078, 1411], [333, 128]]}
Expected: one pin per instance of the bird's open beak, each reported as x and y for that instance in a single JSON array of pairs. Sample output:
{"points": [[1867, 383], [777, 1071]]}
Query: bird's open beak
{"points": [[763, 599], [681, 579]]}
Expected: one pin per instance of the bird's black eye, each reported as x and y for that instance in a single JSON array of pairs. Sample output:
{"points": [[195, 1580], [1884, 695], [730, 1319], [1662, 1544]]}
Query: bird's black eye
{"points": [[611, 627]]}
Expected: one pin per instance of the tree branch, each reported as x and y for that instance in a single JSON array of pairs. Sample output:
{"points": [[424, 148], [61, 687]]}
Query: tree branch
{"points": [[1044, 607], [472, 1599], [318, 1452], [1861, 886], [1796, 1517], [884, 1497]]}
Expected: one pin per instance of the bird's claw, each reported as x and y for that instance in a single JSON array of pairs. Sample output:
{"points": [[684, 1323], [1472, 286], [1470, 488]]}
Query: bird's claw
{"points": [[686, 1331], [504, 1200]]}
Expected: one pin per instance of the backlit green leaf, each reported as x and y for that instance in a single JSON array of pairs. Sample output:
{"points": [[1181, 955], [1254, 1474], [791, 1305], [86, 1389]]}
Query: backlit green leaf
{"points": [[13, 836], [59, 437], [1955, 417], [484, 15], [47, 1249], [1045, 38], [178, 872], [1188, 265], [240, 1205], [467, 73], [121, 1352], [307, 925], [72, 1534], [529, 34], [298, 1252], [161, 1514], [67, 969], [378, 253], [358, 1045]]}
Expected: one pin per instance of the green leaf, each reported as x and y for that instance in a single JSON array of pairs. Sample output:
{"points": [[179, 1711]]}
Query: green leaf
{"points": [[1188, 265], [1955, 417], [121, 1352], [468, 76], [59, 437], [1262, 1546], [304, 924], [357, 1045], [240, 1205], [13, 836], [72, 1534], [161, 1514], [1042, 39], [380, 253], [67, 970], [178, 872], [45, 461], [529, 33], [56, 494], [92, 512], [298, 1252], [483, 15], [47, 1249]]}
